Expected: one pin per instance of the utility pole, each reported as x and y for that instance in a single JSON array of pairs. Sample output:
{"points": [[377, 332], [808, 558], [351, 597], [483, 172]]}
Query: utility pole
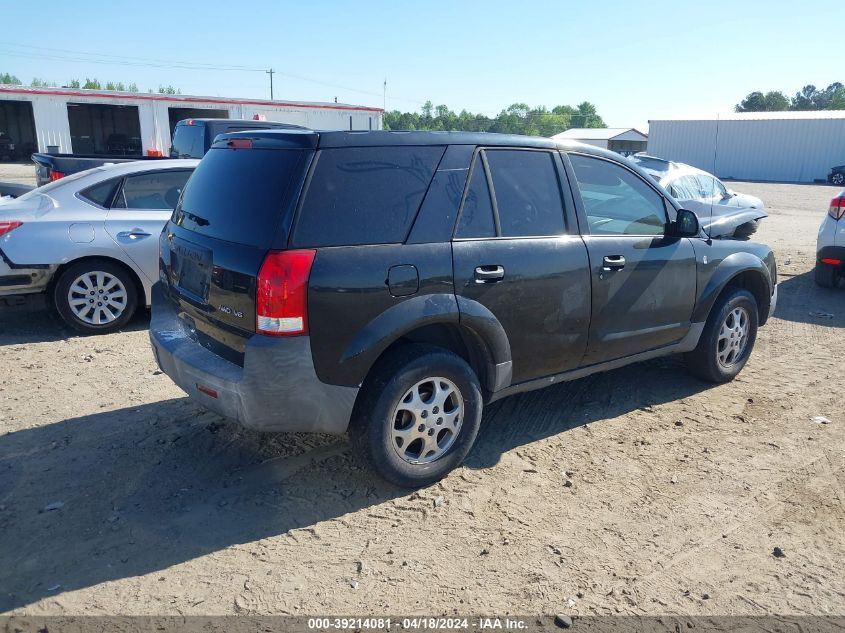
{"points": [[270, 72], [384, 96]]}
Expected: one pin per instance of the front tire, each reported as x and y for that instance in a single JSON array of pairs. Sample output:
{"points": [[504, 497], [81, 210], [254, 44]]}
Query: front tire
{"points": [[837, 179], [727, 339], [417, 416], [95, 297], [826, 276]]}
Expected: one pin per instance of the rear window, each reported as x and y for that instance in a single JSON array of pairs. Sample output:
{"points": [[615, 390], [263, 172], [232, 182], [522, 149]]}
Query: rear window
{"points": [[238, 195], [101, 193], [188, 141], [365, 195]]}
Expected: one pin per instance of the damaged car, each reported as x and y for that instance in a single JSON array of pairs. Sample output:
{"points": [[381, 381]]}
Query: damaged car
{"points": [[721, 211]]}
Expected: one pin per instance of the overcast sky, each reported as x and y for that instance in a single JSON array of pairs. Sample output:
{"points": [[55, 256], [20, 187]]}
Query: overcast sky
{"points": [[635, 60]]}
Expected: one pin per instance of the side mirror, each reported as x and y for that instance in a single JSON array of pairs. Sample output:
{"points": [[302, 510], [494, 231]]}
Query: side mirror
{"points": [[686, 225]]}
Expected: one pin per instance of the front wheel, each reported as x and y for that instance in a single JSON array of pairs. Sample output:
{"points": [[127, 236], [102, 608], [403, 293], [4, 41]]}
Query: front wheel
{"points": [[417, 416], [727, 339], [95, 297], [838, 179]]}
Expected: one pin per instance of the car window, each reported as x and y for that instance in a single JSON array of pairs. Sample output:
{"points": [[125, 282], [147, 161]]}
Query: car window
{"points": [[527, 194], [158, 190], [188, 141], [709, 186], [365, 195], [477, 213], [101, 193], [616, 200], [684, 188]]}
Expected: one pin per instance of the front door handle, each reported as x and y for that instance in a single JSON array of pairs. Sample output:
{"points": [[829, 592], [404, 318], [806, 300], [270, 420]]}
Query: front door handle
{"points": [[613, 262], [134, 234], [489, 274]]}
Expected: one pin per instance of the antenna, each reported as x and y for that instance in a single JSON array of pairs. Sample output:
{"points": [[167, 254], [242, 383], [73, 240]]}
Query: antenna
{"points": [[712, 193]]}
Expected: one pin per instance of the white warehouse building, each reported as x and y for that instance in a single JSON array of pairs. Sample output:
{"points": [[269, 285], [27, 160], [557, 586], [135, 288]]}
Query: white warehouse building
{"points": [[768, 146], [81, 121]]}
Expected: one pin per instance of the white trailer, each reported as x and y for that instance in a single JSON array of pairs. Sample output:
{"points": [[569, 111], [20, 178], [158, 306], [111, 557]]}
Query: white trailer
{"points": [[95, 121]]}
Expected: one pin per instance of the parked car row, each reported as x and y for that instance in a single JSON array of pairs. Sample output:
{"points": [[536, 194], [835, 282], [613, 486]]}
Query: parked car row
{"points": [[388, 284], [191, 139]]}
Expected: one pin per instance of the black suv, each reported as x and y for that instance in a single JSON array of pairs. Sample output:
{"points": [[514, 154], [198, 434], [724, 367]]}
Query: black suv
{"points": [[390, 284]]}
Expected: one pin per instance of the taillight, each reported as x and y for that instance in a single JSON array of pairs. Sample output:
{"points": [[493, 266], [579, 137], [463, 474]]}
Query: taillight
{"points": [[281, 299], [240, 143], [837, 207], [8, 225], [55, 174]]}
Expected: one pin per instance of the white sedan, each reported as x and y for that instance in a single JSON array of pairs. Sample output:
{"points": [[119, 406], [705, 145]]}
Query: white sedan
{"points": [[90, 240]]}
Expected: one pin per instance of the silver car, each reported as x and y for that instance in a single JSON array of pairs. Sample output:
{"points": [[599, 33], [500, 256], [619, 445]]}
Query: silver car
{"points": [[721, 211], [830, 246], [90, 240]]}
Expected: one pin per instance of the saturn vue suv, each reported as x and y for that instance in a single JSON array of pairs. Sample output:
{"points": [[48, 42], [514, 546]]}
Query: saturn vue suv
{"points": [[391, 284]]}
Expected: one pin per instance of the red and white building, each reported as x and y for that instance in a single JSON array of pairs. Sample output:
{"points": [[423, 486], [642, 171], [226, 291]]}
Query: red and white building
{"points": [[82, 121]]}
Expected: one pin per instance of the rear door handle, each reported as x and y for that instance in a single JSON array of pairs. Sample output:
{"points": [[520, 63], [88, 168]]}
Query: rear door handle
{"points": [[489, 274], [134, 234], [613, 262]]}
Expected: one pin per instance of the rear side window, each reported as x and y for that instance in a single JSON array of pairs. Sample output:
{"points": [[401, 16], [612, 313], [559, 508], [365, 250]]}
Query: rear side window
{"points": [[527, 193], [159, 190], [365, 195], [238, 195], [100, 194], [188, 141], [477, 213]]}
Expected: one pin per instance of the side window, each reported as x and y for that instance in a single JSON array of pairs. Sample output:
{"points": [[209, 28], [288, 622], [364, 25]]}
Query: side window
{"points": [[477, 213], [159, 190], [617, 201], [365, 195], [101, 193], [527, 194]]}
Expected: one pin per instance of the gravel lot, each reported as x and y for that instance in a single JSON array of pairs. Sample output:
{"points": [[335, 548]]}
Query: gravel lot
{"points": [[119, 496]]}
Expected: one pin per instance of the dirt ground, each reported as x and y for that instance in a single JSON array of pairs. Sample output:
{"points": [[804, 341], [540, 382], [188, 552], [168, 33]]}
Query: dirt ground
{"points": [[119, 496]]}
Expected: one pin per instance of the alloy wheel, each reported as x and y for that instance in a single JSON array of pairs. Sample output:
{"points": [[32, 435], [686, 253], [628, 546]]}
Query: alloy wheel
{"points": [[427, 420], [97, 297], [733, 337]]}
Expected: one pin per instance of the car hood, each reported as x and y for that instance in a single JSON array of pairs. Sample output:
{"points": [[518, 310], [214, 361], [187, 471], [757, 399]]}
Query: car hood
{"points": [[721, 220], [744, 200]]}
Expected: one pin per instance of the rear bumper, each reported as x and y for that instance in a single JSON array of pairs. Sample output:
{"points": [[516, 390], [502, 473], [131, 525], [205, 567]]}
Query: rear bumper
{"points": [[277, 389], [831, 252], [15, 280]]}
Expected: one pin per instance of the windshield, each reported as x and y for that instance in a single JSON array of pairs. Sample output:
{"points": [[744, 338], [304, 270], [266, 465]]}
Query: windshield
{"points": [[188, 142]]}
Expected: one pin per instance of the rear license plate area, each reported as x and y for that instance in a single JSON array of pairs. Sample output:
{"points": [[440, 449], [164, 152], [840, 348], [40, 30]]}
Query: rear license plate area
{"points": [[191, 266]]}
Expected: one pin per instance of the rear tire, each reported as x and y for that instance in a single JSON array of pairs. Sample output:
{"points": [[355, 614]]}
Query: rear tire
{"points": [[95, 297], [826, 276], [417, 416], [727, 339]]}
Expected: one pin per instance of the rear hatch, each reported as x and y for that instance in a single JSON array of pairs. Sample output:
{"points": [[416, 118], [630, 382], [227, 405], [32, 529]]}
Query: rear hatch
{"points": [[237, 206]]}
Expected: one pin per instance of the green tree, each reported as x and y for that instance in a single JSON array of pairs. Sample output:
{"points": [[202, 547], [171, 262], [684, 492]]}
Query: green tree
{"points": [[12, 80], [772, 101], [517, 118], [169, 90], [92, 84]]}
